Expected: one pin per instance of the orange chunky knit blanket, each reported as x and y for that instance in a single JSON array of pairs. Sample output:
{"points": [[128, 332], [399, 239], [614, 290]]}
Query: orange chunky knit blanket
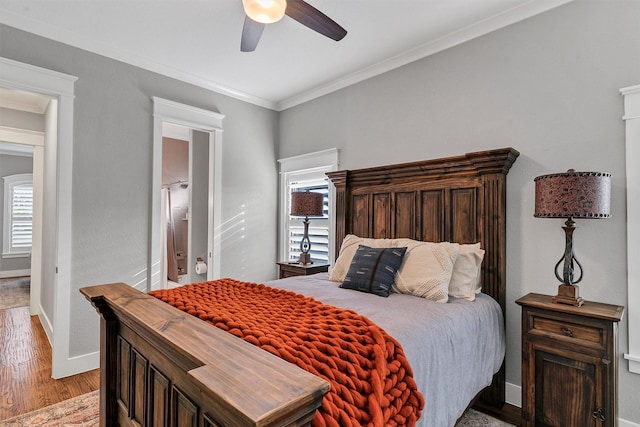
{"points": [[371, 381]]}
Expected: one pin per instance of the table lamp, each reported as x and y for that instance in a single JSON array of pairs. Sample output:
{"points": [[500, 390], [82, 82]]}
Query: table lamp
{"points": [[306, 204], [572, 195]]}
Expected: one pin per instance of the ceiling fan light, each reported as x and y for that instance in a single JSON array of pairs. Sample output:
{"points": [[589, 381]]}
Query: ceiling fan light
{"points": [[265, 11]]}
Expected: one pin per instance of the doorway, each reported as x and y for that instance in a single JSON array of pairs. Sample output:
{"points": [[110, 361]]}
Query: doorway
{"points": [[23, 128], [16, 224], [57, 157], [175, 205], [201, 131], [185, 209]]}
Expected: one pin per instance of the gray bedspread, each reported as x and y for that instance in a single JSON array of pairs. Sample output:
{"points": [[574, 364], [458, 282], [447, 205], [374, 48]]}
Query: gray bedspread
{"points": [[454, 348]]}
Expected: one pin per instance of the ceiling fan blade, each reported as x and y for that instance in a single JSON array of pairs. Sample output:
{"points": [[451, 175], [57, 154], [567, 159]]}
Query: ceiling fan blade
{"points": [[251, 33], [311, 17]]}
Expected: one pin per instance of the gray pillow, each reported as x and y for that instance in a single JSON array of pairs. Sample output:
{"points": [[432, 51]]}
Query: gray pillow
{"points": [[373, 270]]}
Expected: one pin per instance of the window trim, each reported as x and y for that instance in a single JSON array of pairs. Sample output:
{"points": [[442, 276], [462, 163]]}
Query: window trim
{"points": [[325, 160], [631, 118], [10, 182]]}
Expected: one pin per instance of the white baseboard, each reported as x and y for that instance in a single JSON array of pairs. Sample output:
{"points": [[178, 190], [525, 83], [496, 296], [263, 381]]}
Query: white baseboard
{"points": [[513, 396], [46, 324], [14, 273], [78, 364]]}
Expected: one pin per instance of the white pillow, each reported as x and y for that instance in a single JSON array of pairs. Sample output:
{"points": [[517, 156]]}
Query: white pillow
{"points": [[465, 280], [425, 272]]}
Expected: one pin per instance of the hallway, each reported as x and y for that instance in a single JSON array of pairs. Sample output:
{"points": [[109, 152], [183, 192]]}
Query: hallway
{"points": [[14, 292]]}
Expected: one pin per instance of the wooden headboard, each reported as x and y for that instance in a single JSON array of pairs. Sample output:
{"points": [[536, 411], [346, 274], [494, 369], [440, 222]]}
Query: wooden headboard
{"points": [[457, 199]]}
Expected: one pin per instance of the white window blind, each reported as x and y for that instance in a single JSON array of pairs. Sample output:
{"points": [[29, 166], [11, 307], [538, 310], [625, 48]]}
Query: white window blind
{"points": [[18, 215], [21, 218]]}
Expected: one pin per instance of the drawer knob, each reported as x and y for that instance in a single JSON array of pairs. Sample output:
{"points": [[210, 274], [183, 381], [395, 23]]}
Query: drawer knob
{"points": [[598, 414], [568, 332]]}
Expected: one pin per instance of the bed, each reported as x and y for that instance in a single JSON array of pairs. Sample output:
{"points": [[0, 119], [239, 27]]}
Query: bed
{"points": [[162, 366]]}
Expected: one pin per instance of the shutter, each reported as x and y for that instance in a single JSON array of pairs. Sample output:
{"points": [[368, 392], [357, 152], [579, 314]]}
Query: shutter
{"points": [[21, 216]]}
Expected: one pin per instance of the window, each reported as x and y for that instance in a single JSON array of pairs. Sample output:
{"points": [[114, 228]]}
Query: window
{"points": [[316, 182], [18, 215], [307, 173]]}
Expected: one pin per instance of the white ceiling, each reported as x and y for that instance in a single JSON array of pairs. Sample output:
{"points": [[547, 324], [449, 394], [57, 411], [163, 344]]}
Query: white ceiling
{"points": [[198, 41]]}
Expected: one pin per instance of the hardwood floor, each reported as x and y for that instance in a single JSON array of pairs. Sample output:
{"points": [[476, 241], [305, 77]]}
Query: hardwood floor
{"points": [[25, 367]]}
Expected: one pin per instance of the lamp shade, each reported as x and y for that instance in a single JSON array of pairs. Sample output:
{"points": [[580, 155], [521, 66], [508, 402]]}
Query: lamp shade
{"points": [[305, 203], [265, 11], [573, 195]]}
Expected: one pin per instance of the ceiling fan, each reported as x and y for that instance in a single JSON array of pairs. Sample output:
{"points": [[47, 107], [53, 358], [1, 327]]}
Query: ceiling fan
{"points": [[262, 12]]}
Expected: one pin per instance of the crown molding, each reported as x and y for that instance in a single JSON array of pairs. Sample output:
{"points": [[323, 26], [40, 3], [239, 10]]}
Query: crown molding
{"points": [[520, 13], [68, 37], [488, 25]]}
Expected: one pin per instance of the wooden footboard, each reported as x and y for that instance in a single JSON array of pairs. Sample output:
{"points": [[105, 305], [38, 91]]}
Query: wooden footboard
{"points": [[160, 366]]}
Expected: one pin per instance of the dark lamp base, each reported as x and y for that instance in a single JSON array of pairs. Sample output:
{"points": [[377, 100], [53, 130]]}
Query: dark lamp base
{"points": [[305, 258], [568, 294]]}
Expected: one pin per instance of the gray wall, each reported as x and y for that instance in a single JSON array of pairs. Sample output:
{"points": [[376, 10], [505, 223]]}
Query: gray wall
{"points": [[113, 128], [547, 86], [11, 165]]}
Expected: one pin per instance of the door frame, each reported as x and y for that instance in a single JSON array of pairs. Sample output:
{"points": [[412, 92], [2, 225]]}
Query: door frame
{"points": [[202, 120], [57, 325]]}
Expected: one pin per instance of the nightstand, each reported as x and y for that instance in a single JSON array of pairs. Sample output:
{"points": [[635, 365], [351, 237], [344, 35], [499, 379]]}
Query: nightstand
{"points": [[569, 363], [288, 269]]}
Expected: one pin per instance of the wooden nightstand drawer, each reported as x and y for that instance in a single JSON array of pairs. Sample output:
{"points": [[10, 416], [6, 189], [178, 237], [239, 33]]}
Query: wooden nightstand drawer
{"points": [[565, 330], [284, 273], [287, 269]]}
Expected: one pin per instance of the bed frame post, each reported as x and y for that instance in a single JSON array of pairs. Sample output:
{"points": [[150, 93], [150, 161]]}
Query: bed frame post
{"points": [[493, 170], [339, 180], [108, 361]]}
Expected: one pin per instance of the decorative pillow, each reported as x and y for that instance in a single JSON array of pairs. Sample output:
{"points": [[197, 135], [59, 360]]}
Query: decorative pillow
{"points": [[427, 270], [349, 247], [465, 280], [373, 270]]}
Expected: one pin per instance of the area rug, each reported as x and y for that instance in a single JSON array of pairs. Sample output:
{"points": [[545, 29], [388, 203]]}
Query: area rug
{"points": [[14, 292], [473, 418], [84, 411], [81, 411]]}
